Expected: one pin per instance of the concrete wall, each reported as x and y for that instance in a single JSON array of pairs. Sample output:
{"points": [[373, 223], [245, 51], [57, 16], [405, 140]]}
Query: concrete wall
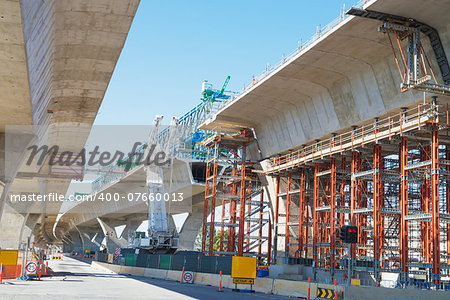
{"points": [[193, 223], [356, 293], [263, 285], [279, 286]]}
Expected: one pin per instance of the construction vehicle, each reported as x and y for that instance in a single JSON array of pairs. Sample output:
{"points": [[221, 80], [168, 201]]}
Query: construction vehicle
{"points": [[160, 239]]}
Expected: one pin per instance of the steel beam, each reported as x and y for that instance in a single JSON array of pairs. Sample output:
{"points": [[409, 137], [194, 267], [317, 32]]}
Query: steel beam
{"points": [[302, 205], [213, 201], [354, 197], [277, 213], [447, 202], [269, 242], [243, 195], [425, 191], [288, 214], [205, 205], [315, 214], [342, 202], [376, 211], [333, 216], [233, 206], [403, 238], [436, 257], [261, 215], [222, 227]]}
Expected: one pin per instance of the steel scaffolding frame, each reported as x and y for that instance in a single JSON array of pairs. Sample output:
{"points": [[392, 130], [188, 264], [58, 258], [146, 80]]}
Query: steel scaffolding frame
{"points": [[232, 181], [395, 190]]}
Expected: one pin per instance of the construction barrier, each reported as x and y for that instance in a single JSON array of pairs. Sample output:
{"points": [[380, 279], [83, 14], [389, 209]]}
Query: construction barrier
{"points": [[12, 272], [8, 258], [280, 287], [189, 260]]}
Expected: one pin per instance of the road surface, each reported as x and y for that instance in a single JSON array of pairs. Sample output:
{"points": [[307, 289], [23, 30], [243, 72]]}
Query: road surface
{"points": [[74, 279]]}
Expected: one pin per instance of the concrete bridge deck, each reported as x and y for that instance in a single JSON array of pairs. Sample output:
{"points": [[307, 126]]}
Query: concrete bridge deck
{"points": [[345, 77], [57, 60]]}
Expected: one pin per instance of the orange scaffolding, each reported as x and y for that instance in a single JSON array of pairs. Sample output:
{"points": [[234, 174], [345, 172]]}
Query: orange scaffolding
{"points": [[393, 198], [231, 179]]}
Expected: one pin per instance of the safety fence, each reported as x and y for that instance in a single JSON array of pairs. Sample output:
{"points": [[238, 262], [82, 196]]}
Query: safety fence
{"points": [[12, 272], [190, 262]]}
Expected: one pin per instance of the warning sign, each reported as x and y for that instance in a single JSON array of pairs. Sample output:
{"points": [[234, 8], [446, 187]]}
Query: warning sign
{"points": [[355, 281], [243, 280], [188, 277], [243, 267], [325, 293], [31, 268]]}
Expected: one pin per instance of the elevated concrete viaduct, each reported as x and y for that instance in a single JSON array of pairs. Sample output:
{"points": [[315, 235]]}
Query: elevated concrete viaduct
{"points": [[346, 80], [132, 206], [345, 77], [57, 59]]}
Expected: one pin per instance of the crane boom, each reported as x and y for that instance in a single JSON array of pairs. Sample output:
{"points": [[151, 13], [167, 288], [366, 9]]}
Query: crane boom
{"points": [[225, 85]]}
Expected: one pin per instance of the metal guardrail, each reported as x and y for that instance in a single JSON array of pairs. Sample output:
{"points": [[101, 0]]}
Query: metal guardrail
{"points": [[302, 46], [369, 132]]}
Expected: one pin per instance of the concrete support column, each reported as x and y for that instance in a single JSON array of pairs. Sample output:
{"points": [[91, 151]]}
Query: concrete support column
{"points": [[14, 228], [130, 228], [192, 225], [112, 241], [92, 238], [82, 239]]}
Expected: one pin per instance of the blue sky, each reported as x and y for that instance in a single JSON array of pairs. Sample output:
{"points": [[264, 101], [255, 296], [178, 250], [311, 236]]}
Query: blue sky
{"points": [[173, 45]]}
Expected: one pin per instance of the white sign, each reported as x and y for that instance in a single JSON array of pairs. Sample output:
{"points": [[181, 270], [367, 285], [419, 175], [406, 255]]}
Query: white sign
{"points": [[188, 277], [31, 268]]}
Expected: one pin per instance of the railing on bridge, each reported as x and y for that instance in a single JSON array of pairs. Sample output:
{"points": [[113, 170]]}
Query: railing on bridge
{"points": [[379, 129], [301, 47]]}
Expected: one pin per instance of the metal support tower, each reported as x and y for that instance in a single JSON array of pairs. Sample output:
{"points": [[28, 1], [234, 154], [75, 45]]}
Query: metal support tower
{"points": [[232, 179], [210, 196], [396, 178]]}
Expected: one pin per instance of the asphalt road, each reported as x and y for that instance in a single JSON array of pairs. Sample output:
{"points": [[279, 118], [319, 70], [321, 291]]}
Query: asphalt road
{"points": [[74, 279]]}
